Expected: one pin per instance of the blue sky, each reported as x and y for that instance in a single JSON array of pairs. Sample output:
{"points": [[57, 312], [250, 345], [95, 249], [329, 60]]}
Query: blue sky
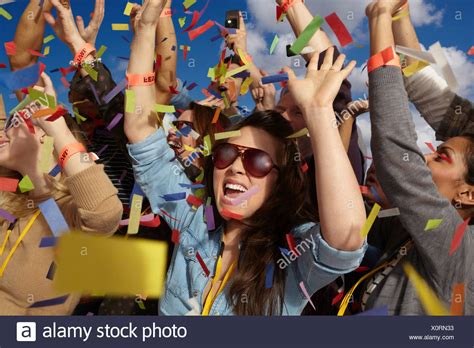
{"points": [[438, 23]]}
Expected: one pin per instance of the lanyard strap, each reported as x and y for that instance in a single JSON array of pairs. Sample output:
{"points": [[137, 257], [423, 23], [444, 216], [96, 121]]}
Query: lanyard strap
{"points": [[210, 299], [18, 241]]}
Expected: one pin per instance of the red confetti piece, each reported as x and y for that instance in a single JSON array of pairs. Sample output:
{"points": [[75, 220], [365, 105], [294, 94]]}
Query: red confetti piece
{"points": [[153, 223], [60, 112], [230, 215], [338, 27], [279, 13], [42, 67], [304, 167], [175, 236], [471, 51], [168, 215], [8, 184], [458, 236], [158, 62], [173, 90], [193, 200], [364, 189], [203, 265], [361, 269], [431, 147], [2, 66], [206, 93], [185, 52], [35, 53], [10, 48], [65, 82], [68, 70], [443, 156], [193, 22], [200, 30], [291, 244], [29, 124], [337, 298]]}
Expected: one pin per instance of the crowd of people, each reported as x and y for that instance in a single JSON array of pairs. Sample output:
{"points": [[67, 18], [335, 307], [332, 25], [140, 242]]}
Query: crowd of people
{"points": [[275, 223]]}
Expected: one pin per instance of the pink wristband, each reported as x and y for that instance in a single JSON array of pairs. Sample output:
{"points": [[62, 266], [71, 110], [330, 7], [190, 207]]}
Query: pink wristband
{"points": [[141, 79], [83, 53]]}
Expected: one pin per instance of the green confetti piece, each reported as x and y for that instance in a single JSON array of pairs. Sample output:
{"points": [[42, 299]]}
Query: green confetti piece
{"points": [[432, 224], [302, 40], [79, 118], [276, 39], [129, 101], [207, 145], [25, 185], [44, 99], [164, 108], [182, 21], [92, 73], [188, 3], [101, 51], [48, 39], [5, 14]]}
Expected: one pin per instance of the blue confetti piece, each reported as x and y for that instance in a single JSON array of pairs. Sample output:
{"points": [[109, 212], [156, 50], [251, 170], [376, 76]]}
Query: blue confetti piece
{"points": [[274, 78], [51, 271], [284, 251], [48, 242], [269, 277], [185, 130], [51, 302], [215, 93], [53, 217], [174, 196], [193, 186], [55, 171], [21, 78]]}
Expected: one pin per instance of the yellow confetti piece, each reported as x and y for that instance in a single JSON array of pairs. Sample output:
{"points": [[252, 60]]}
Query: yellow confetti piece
{"points": [[236, 71], [164, 108], [128, 9], [5, 13], [101, 51], [207, 145], [370, 220], [300, 133], [45, 157], [188, 3], [189, 148], [120, 26], [243, 56], [414, 67], [115, 266], [48, 39], [182, 21], [135, 213], [46, 50], [226, 135], [432, 224], [245, 85], [129, 101], [428, 298]]}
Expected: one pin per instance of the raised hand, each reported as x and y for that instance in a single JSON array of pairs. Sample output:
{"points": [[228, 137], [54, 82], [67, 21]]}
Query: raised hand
{"points": [[239, 39], [377, 7], [64, 26], [150, 12], [320, 87], [90, 33], [264, 95]]}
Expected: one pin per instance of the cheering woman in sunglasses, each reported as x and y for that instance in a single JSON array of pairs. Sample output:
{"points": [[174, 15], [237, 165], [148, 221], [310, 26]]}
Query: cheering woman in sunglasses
{"points": [[257, 251]]}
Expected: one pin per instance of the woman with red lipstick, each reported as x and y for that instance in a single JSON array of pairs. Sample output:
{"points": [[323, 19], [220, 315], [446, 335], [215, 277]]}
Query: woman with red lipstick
{"points": [[229, 260]]}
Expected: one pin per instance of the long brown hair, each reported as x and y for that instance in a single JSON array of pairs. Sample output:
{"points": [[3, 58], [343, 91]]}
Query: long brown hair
{"points": [[265, 232]]}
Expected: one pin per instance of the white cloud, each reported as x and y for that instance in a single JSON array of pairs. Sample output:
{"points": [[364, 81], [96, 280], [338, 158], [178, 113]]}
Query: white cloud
{"points": [[358, 80], [423, 13]]}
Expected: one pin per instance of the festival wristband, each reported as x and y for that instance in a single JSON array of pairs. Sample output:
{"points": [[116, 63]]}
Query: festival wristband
{"points": [[166, 13], [83, 53], [288, 4], [68, 151], [141, 79], [401, 12], [383, 58]]}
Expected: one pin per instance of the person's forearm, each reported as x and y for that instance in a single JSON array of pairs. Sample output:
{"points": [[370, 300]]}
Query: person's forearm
{"points": [[381, 35], [299, 17], [29, 34], [341, 208], [142, 122], [166, 74], [345, 132], [405, 35]]}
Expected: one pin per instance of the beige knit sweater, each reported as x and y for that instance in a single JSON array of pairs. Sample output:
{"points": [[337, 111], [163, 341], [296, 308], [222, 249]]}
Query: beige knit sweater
{"points": [[92, 207]]}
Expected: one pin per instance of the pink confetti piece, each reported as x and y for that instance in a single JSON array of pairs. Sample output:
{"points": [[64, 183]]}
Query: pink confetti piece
{"points": [[246, 195], [305, 292]]}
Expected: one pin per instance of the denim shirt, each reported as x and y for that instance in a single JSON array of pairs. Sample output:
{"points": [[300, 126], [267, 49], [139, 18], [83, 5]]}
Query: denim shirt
{"points": [[158, 174]]}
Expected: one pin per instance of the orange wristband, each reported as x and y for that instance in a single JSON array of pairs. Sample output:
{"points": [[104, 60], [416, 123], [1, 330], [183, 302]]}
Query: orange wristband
{"points": [[68, 151], [386, 57], [83, 53], [288, 4], [166, 13], [141, 79]]}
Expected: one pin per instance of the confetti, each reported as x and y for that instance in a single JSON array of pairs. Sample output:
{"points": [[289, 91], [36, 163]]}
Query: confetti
{"points": [[203, 265], [101, 51], [456, 242], [193, 22], [215, 118], [428, 298], [389, 212], [274, 78], [414, 68], [22, 78], [46, 50], [170, 197], [338, 27], [471, 51], [364, 189], [457, 301], [246, 85], [48, 39], [188, 3], [209, 212], [193, 34], [129, 101], [8, 184], [337, 298], [302, 132], [432, 224], [370, 220], [7, 216], [235, 71], [246, 195], [207, 145], [10, 48], [269, 276], [417, 54], [165, 108], [117, 118], [438, 54], [136, 208], [5, 13], [306, 35], [226, 135], [26, 184], [193, 200], [305, 292], [120, 26], [48, 242], [51, 302], [230, 215], [292, 243], [130, 266], [53, 216], [51, 271], [116, 90], [128, 9], [45, 156], [182, 21], [153, 223], [35, 53], [275, 41]]}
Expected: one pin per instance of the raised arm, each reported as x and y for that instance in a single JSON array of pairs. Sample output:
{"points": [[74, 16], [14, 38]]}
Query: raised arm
{"points": [[141, 119], [401, 167], [341, 219]]}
